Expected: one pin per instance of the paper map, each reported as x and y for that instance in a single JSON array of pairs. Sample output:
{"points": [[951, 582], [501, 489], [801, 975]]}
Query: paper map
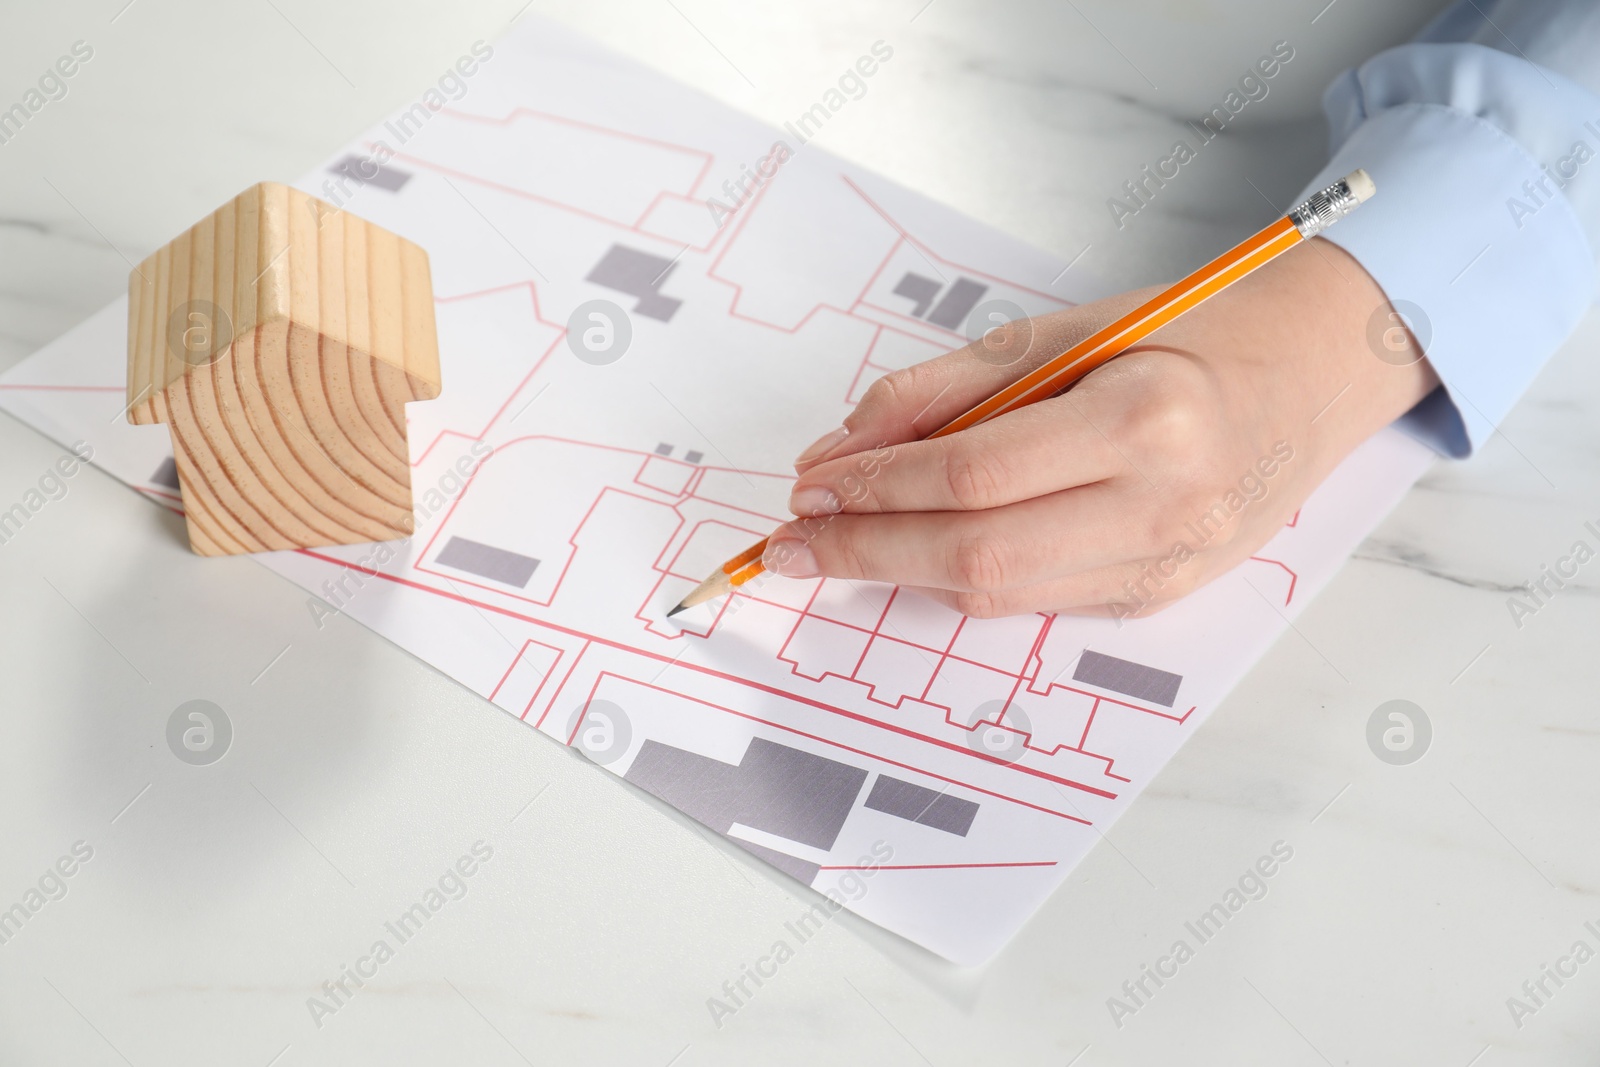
{"points": [[579, 474]]}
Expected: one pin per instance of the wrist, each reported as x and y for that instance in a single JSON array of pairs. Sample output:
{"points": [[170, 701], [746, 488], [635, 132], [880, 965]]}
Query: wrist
{"points": [[1370, 369]]}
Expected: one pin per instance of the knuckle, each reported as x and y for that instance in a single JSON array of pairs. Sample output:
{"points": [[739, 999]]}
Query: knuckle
{"points": [[1175, 583], [977, 605], [1215, 523], [1227, 533], [975, 478], [891, 392], [843, 553], [1186, 582], [877, 395], [978, 563], [1166, 418], [1152, 533]]}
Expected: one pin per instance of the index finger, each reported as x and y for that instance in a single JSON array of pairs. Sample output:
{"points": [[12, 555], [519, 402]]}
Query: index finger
{"points": [[1029, 452], [913, 402]]}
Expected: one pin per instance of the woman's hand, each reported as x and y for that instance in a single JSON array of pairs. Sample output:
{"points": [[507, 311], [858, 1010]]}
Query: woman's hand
{"points": [[1155, 473]]}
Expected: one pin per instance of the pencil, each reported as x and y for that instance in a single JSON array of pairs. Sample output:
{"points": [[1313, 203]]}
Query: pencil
{"points": [[1317, 213]]}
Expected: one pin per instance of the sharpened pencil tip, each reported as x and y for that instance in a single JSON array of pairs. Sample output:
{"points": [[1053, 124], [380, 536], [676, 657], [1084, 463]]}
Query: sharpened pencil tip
{"points": [[717, 585]]}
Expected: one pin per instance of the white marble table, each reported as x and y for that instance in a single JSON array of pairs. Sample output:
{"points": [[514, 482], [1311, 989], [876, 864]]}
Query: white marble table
{"points": [[218, 899]]}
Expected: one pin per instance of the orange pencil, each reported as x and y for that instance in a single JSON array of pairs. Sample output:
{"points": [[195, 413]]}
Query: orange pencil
{"points": [[1319, 211]]}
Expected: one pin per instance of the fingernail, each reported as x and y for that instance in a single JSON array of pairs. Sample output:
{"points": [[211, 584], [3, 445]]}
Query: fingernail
{"points": [[814, 500], [790, 557], [822, 445]]}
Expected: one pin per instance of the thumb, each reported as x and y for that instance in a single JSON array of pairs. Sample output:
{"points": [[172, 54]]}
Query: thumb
{"points": [[913, 402]]}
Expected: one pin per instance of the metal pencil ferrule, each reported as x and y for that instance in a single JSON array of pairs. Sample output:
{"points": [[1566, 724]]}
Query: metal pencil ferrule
{"points": [[1323, 209]]}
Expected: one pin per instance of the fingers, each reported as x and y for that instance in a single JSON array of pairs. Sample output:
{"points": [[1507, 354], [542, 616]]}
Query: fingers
{"points": [[1027, 453], [1021, 544], [908, 404]]}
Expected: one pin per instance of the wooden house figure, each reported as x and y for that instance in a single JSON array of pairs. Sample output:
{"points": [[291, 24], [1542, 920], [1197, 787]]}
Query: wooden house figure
{"points": [[280, 340]]}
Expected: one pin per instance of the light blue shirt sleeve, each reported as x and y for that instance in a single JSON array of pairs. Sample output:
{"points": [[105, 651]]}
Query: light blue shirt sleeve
{"points": [[1483, 137]]}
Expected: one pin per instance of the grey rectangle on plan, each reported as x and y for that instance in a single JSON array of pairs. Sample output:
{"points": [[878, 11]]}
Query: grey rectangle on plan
{"points": [[775, 789], [915, 803], [1128, 678], [640, 274], [919, 289], [486, 561], [367, 171], [795, 794], [702, 788], [958, 302]]}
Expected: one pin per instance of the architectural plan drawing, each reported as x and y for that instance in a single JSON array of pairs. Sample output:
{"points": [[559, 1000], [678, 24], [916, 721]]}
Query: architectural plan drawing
{"points": [[625, 385]]}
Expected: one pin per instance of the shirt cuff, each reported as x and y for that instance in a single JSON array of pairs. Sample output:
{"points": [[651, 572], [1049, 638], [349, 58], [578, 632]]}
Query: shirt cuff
{"points": [[1489, 289]]}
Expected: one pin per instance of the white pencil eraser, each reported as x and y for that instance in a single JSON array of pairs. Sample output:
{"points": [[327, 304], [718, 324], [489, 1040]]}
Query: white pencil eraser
{"points": [[1360, 185]]}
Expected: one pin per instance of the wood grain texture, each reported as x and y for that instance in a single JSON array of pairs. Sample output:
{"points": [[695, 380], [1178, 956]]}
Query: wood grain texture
{"points": [[280, 339]]}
